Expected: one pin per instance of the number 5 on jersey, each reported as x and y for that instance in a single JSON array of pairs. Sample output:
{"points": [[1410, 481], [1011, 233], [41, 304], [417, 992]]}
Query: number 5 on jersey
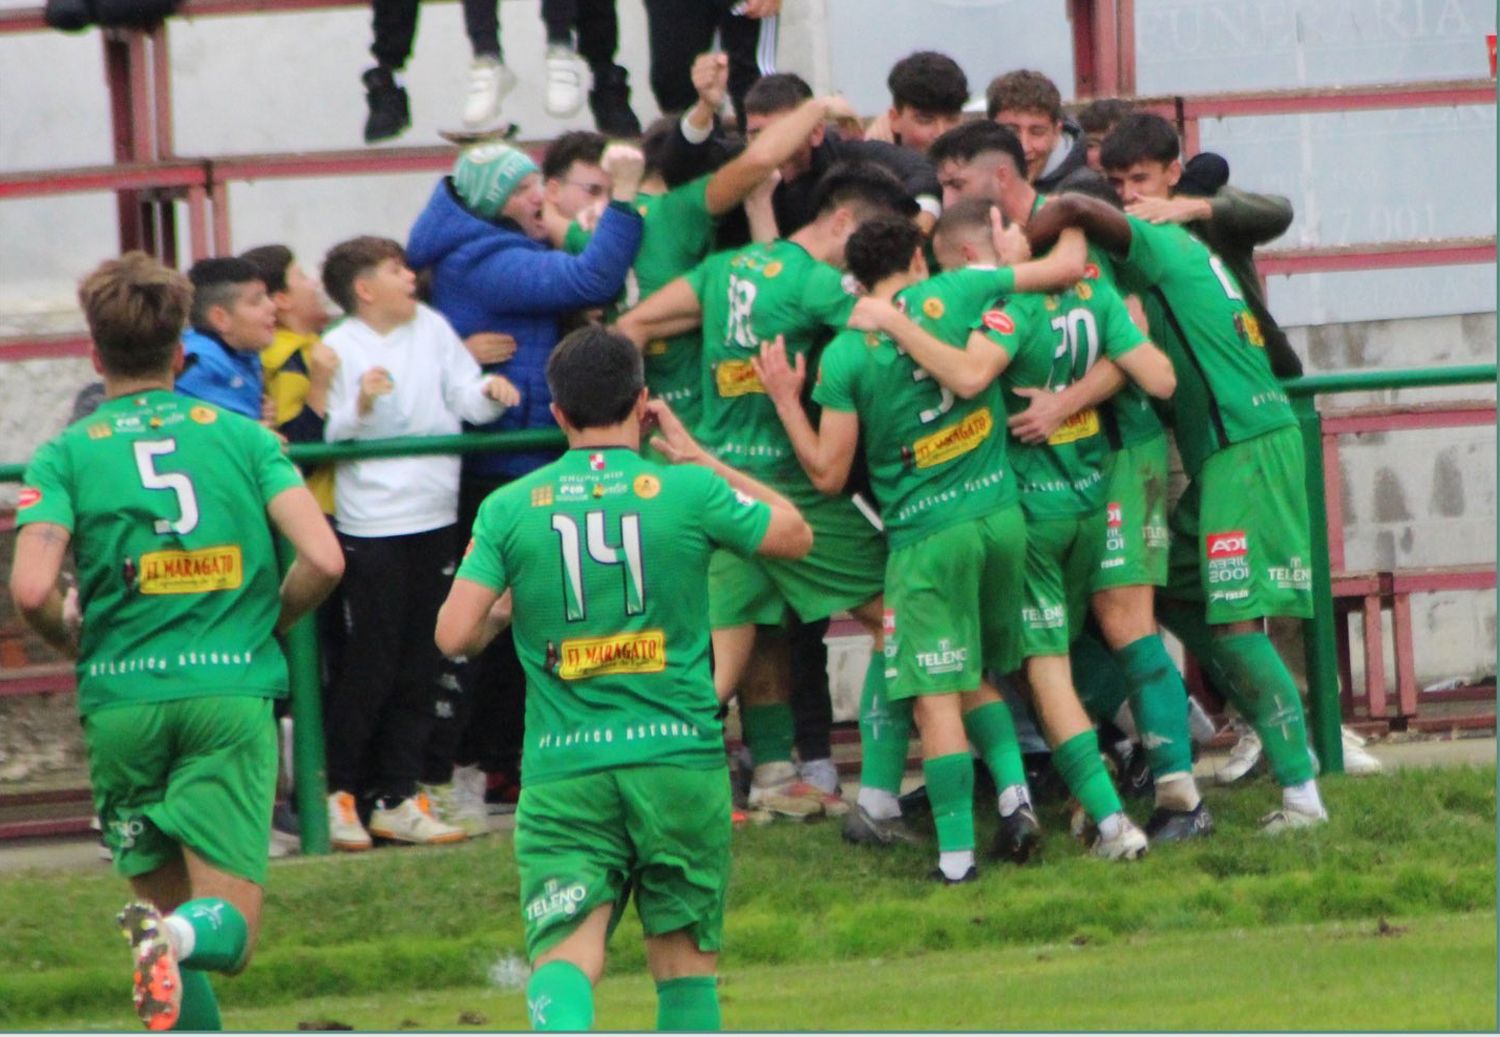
{"points": [[626, 554], [146, 453]]}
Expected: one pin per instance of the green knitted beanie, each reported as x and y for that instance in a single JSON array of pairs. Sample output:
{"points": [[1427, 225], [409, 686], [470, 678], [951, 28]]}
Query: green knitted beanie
{"points": [[486, 175]]}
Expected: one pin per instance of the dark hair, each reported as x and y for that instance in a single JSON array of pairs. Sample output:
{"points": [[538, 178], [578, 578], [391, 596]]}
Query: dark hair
{"points": [[1023, 91], [135, 308], [583, 146], [595, 376], [882, 246], [968, 140], [778, 92], [271, 263], [929, 82], [216, 282], [1098, 116], [1094, 187], [350, 260], [869, 189], [1141, 137]]}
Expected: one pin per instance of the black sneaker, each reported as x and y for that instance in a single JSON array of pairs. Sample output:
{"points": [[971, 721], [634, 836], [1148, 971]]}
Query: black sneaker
{"points": [[1132, 771], [1171, 826], [390, 113], [862, 829], [936, 875], [915, 803], [609, 100], [1017, 838]]}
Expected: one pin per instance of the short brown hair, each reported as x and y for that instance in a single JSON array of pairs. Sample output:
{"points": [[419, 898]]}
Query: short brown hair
{"points": [[136, 309], [350, 260], [1023, 91]]}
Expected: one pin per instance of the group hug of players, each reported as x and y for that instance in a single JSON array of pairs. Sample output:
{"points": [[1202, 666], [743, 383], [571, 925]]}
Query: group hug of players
{"points": [[1089, 332]]}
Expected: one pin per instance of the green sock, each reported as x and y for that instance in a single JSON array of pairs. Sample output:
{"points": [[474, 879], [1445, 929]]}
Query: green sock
{"points": [[560, 997], [1078, 761], [1249, 669], [950, 790], [884, 732], [1158, 698], [200, 1009], [688, 1004], [220, 935], [1102, 685], [769, 731], [993, 731]]}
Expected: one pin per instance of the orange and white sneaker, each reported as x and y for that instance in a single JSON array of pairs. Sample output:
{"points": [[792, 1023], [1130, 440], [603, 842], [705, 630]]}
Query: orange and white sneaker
{"points": [[344, 830], [412, 821], [158, 983]]}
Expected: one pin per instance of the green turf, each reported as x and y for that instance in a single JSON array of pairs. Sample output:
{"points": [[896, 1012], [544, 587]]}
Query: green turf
{"points": [[1417, 845]]}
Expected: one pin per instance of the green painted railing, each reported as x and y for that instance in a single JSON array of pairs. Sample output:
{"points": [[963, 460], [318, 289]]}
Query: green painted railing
{"points": [[1322, 664]]}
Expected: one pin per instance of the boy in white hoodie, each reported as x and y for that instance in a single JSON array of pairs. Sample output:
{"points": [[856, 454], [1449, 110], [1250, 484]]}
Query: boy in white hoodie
{"points": [[403, 371]]}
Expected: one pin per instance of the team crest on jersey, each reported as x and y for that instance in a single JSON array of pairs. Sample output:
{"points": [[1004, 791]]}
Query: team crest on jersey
{"points": [[646, 486], [596, 462], [772, 268], [204, 415], [999, 320], [933, 308], [850, 284], [1090, 272], [100, 431], [541, 496], [28, 496]]}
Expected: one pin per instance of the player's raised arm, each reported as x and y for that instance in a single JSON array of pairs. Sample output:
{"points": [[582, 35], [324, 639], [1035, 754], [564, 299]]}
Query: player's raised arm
{"points": [[964, 372], [825, 453], [319, 564], [1101, 222], [732, 182]]}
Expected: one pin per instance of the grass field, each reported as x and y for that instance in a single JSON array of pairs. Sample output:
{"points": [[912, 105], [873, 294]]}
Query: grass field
{"points": [[1384, 918]]}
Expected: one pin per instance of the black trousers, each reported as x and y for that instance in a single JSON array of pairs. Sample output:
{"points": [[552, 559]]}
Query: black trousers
{"points": [[812, 708], [597, 24], [680, 30], [395, 23], [378, 711]]}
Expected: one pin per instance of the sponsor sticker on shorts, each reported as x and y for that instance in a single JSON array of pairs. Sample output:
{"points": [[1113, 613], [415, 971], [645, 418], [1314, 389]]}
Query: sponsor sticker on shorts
{"points": [[1114, 533], [954, 441], [639, 652], [28, 496], [888, 623], [1080, 426], [191, 572], [1228, 562], [944, 659], [737, 378], [556, 899]]}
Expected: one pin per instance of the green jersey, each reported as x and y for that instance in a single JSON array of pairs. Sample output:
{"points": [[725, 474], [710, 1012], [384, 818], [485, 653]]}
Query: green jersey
{"points": [[606, 554], [1052, 341], [165, 497], [677, 233], [935, 460], [749, 297], [1226, 392]]}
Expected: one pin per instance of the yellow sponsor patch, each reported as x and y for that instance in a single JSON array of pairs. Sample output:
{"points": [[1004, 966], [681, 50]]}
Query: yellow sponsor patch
{"points": [[954, 441], [1080, 426], [932, 308], [204, 415], [656, 347], [1248, 326], [191, 572], [772, 268], [644, 652], [100, 431], [737, 378], [646, 486], [541, 496]]}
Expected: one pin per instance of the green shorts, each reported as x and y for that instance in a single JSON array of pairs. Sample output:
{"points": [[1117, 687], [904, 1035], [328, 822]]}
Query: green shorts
{"points": [[950, 602], [198, 773], [1135, 531], [844, 569], [660, 830], [1240, 537], [1062, 556]]}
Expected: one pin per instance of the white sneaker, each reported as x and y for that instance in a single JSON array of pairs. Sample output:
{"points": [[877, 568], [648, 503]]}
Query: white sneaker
{"points": [[344, 830], [1129, 843], [283, 844], [1358, 761], [1278, 821], [489, 82], [821, 774], [411, 821], [564, 82], [776, 789], [468, 809], [1242, 759]]}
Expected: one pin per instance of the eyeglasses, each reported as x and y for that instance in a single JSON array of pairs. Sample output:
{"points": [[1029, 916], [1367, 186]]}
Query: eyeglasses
{"points": [[592, 190]]}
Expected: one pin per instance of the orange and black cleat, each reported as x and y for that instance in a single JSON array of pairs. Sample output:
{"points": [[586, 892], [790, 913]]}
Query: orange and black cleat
{"points": [[158, 983]]}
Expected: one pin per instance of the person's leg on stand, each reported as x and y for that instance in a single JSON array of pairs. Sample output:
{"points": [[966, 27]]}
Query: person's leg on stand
{"points": [[395, 26], [751, 46], [677, 32], [489, 79], [812, 706]]}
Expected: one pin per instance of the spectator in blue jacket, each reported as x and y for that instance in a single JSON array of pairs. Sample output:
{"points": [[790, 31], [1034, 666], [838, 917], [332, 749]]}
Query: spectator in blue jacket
{"points": [[233, 320], [483, 242]]}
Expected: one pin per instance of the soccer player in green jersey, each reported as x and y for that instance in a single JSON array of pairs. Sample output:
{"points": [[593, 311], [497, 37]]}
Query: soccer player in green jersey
{"points": [[1048, 342], [793, 288], [1240, 542], [170, 506], [983, 160], [624, 782], [949, 504]]}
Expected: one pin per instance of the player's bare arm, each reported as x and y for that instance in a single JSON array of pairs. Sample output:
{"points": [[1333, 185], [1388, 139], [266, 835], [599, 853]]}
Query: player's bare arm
{"points": [[1060, 268], [1101, 222], [787, 536], [733, 182], [40, 550], [1048, 410], [825, 453], [1151, 369], [964, 372], [319, 564], [472, 616], [671, 310]]}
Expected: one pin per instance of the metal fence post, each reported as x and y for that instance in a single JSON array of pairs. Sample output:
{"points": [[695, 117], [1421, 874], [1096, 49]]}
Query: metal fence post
{"points": [[309, 766], [1318, 632]]}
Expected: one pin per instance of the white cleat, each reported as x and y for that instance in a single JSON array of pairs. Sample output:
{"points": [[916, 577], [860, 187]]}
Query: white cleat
{"points": [[1243, 759], [1128, 844], [1285, 819], [1358, 761]]}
